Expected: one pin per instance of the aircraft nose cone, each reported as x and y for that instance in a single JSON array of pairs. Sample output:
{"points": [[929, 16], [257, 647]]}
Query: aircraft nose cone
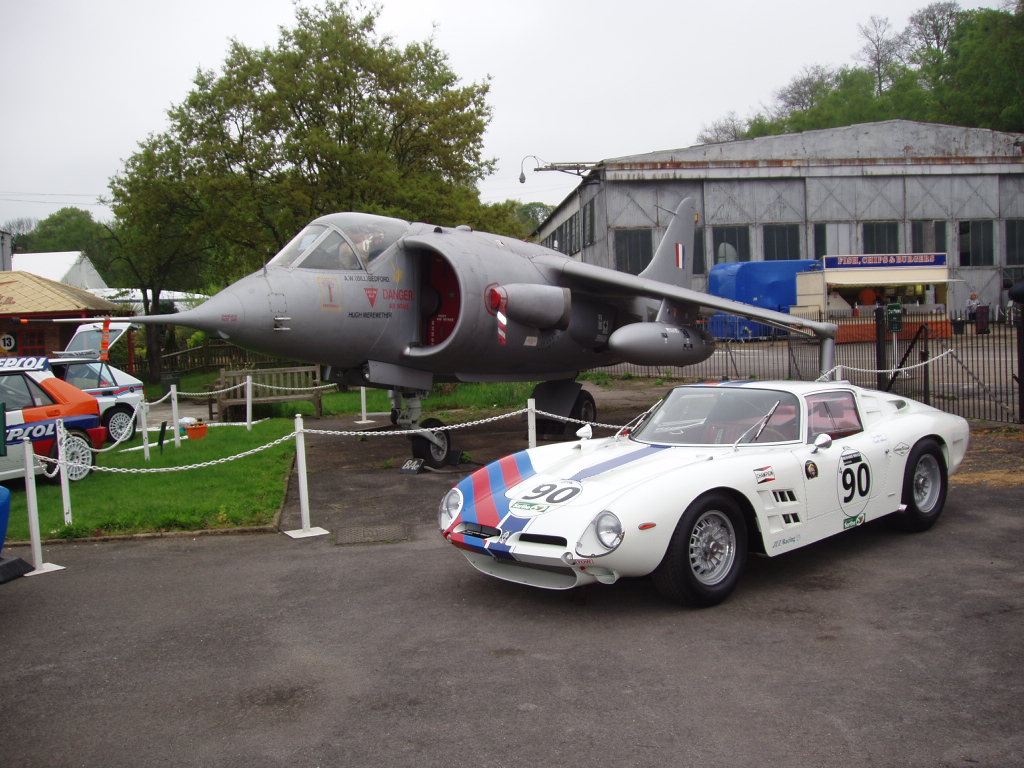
{"points": [[222, 314]]}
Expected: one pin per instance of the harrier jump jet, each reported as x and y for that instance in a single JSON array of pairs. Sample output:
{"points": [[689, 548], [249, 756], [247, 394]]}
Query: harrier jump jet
{"points": [[382, 302]]}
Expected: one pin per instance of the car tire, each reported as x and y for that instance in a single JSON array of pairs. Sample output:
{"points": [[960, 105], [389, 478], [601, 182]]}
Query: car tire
{"points": [[118, 420], [434, 455], [706, 554], [925, 482], [79, 450]]}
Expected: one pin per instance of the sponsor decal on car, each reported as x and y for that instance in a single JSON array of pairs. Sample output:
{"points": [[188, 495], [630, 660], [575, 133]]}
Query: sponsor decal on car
{"points": [[852, 522], [24, 364], [764, 475], [786, 541]]}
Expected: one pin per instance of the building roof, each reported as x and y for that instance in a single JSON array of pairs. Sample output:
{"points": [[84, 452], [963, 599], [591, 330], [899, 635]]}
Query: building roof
{"points": [[886, 143], [24, 293], [71, 267]]}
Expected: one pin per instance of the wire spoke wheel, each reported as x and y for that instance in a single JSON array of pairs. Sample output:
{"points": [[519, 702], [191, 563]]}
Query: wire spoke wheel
{"points": [[927, 483], [712, 547], [706, 553]]}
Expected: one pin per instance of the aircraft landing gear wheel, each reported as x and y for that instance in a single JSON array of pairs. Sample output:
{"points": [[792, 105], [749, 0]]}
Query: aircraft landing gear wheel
{"points": [[706, 554], [584, 409], [433, 455]]}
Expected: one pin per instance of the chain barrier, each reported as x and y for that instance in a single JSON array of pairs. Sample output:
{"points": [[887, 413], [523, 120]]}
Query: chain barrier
{"points": [[890, 371], [294, 389], [62, 435], [153, 470], [419, 431]]}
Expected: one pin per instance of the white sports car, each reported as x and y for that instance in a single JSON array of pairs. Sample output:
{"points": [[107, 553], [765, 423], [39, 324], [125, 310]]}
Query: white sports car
{"points": [[709, 473]]}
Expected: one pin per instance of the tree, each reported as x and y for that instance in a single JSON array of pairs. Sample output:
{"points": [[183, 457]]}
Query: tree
{"points": [[335, 117], [728, 128], [70, 229], [20, 230], [983, 83], [883, 51], [160, 246]]}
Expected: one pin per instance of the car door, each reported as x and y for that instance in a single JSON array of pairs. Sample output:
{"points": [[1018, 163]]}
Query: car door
{"points": [[24, 402], [846, 480]]}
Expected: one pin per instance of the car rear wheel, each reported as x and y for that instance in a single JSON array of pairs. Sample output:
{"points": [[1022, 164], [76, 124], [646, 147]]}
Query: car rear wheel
{"points": [[706, 554], [118, 422], [924, 487], [78, 452]]}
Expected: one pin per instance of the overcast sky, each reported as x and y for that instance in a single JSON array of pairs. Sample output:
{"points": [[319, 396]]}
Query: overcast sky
{"points": [[572, 80]]}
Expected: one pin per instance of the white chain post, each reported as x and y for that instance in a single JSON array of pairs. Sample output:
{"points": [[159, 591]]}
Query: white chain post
{"points": [[62, 467], [300, 468], [248, 402], [174, 416], [33, 513]]}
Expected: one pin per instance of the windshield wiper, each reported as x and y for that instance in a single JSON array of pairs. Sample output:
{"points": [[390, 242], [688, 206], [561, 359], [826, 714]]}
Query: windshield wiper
{"points": [[760, 425]]}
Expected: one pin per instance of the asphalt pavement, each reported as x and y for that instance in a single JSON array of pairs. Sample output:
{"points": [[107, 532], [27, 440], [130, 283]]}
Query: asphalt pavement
{"points": [[874, 648]]}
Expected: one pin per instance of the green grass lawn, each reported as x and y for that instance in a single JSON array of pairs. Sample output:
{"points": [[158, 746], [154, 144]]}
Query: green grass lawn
{"points": [[245, 492]]}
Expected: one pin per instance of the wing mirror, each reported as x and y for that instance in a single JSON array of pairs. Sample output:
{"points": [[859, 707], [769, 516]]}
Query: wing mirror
{"points": [[585, 432], [821, 442]]}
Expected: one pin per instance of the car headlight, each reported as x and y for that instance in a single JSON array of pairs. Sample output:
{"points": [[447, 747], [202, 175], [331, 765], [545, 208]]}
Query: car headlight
{"points": [[449, 508], [608, 530], [603, 535]]}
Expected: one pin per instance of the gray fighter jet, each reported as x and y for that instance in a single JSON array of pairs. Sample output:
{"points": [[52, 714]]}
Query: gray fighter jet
{"points": [[382, 302]]}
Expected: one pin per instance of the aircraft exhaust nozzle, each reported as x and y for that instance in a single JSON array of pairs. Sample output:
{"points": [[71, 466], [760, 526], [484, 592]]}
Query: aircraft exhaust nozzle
{"points": [[661, 344]]}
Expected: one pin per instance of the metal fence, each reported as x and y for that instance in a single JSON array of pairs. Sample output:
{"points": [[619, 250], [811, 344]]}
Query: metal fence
{"points": [[968, 368]]}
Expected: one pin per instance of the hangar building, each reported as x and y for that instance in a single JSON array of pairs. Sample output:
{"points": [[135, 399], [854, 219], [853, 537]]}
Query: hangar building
{"points": [[892, 187]]}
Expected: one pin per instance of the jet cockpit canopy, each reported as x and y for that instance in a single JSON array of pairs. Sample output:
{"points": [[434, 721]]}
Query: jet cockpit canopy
{"points": [[341, 241]]}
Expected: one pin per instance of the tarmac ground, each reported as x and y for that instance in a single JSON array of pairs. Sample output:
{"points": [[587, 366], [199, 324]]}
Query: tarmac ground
{"points": [[378, 645]]}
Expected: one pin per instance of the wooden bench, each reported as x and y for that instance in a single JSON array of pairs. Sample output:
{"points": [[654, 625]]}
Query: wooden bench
{"points": [[269, 385]]}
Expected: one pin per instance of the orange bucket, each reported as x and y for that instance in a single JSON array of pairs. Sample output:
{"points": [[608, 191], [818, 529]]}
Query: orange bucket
{"points": [[198, 432]]}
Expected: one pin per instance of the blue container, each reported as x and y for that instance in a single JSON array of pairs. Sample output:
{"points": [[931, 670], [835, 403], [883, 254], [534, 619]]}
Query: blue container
{"points": [[765, 284], [5, 514]]}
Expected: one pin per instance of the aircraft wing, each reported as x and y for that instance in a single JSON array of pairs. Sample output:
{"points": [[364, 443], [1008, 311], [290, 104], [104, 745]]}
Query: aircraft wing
{"points": [[602, 280]]}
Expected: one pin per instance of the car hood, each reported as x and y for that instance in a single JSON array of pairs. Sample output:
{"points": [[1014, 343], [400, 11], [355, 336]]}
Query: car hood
{"points": [[528, 483]]}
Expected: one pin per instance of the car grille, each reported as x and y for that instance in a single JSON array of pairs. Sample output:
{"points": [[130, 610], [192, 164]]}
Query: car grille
{"points": [[479, 531], [540, 538]]}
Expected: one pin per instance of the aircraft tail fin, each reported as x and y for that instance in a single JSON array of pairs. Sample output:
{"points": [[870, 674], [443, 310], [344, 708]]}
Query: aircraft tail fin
{"points": [[673, 261]]}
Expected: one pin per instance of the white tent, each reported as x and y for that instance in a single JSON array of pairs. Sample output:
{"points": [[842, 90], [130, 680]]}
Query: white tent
{"points": [[68, 267]]}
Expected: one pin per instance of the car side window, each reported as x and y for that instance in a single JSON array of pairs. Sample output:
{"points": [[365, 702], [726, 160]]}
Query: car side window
{"points": [[832, 413], [18, 393]]}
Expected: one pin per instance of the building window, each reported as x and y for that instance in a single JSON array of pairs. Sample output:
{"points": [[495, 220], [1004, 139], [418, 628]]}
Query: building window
{"points": [[700, 266], [820, 241], [928, 236], [32, 343], [731, 244], [588, 224], [1014, 241], [977, 248], [781, 242], [881, 236], [633, 250]]}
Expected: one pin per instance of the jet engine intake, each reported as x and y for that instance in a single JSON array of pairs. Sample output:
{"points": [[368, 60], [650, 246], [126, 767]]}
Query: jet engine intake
{"points": [[535, 306], [661, 344]]}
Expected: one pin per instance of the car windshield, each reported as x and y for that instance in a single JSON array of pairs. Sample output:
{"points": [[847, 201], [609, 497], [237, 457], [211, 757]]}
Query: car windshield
{"points": [[719, 415], [342, 241]]}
